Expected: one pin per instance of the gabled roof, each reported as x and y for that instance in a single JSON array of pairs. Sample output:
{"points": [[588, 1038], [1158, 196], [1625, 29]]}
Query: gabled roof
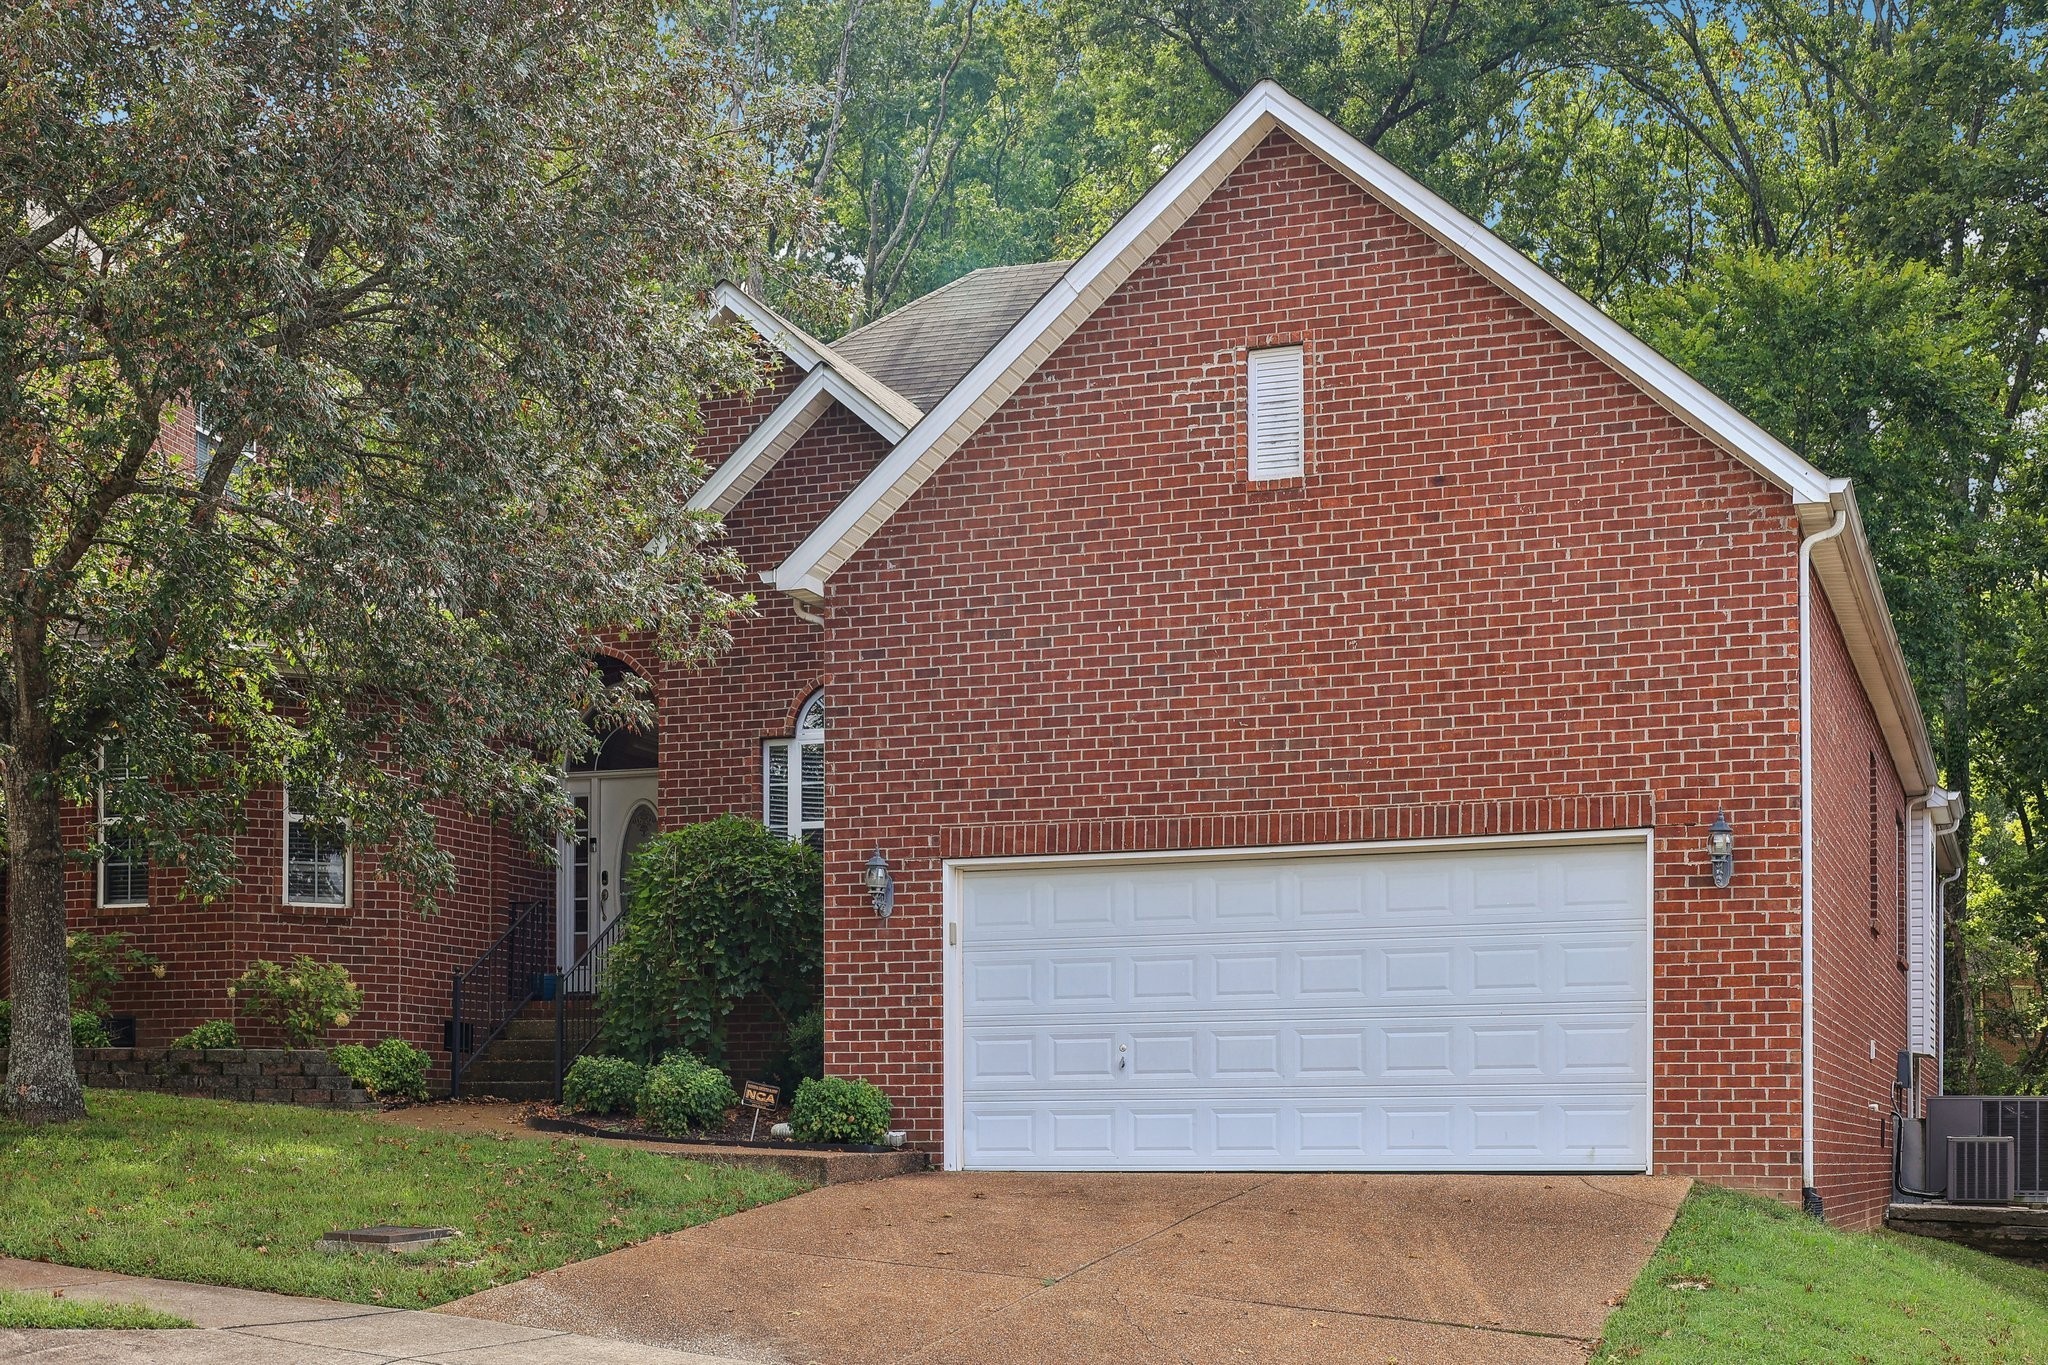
{"points": [[1843, 564], [922, 349], [830, 378]]}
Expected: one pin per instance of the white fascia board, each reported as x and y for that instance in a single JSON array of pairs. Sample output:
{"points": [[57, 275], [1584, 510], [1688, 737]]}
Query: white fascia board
{"points": [[802, 348], [782, 428], [1161, 212], [1847, 572]]}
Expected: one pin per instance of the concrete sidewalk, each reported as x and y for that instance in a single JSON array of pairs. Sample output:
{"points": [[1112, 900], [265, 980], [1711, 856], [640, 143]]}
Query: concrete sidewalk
{"points": [[249, 1327]]}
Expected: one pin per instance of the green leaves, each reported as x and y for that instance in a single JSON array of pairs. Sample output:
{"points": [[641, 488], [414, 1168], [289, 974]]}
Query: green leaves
{"points": [[720, 911]]}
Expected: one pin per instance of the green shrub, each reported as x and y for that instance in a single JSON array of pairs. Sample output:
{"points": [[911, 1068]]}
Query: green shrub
{"points": [[683, 1092], [304, 1000], [214, 1033], [392, 1070], [718, 912], [87, 1030], [839, 1109], [97, 964], [603, 1085], [807, 1042]]}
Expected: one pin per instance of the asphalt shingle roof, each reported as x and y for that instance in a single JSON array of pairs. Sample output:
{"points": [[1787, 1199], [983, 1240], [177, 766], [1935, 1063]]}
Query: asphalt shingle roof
{"points": [[925, 347]]}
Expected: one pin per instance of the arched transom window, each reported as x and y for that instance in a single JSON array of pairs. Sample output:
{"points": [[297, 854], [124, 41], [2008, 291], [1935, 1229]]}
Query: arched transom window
{"points": [[793, 777]]}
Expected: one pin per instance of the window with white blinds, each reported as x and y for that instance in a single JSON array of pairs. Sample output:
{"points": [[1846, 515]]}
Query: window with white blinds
{"points": [[793, 778], [124, 862], [1274, 418]]}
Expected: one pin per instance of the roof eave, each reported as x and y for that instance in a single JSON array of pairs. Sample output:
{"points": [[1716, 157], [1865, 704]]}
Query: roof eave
{"points": [[1847, 572]]}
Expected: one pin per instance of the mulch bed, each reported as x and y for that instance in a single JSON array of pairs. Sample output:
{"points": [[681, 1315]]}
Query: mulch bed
{"points": [[736, 1131]]}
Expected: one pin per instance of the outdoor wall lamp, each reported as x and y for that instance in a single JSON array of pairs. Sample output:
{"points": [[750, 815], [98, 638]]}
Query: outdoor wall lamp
{"points": [[881, 886], [1721, 849]]}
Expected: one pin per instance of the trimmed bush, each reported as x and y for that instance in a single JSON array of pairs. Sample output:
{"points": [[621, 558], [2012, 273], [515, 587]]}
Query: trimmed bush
{"points": [[86, 1030], [718, 912], [603, 1085], [839, 1109], [392, 1070], [807, 1042], [304, 1000], [682, 1093], [214, 1033]]}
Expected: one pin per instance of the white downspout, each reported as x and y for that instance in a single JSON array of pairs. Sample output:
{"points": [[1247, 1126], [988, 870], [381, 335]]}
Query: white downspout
{"points": [[804, 614], [1808, 1191]]}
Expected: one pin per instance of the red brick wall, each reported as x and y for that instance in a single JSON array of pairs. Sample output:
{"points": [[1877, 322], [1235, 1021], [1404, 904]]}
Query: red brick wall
{"points": [[1508, 577], [403, 960], [1859, 992], [715, 716]]}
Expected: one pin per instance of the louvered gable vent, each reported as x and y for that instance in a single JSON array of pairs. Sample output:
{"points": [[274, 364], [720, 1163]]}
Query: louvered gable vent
{"points": [[1275, 420]]}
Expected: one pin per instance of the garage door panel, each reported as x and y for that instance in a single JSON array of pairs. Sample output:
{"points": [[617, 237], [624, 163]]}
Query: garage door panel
{"points": [[1502, 1133], [1012, 1064], [1582, 965], [1414, 1011], [1395, 890]]}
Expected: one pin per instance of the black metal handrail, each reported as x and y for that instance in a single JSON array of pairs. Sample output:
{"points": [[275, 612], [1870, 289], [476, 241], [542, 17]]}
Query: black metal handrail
{"points": [[490, 993], [579, 1001]]}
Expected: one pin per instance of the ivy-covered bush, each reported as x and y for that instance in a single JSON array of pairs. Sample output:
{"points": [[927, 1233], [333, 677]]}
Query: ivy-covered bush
{"points": [[683, 1092], [304, 1000], [392, 1070], [214, 1033], [87, 1030], [718, 912], [807, 1043], [98, 962], [603, 1085], [839, 1109]]}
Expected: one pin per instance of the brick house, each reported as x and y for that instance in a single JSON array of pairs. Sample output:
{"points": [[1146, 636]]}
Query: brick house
{"points": [[1289, 661]]}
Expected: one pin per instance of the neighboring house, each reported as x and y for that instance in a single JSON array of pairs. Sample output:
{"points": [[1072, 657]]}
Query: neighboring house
{"points": [[1290, 660]]}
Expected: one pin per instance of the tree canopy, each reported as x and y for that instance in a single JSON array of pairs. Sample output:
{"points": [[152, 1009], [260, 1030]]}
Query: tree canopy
{"points": [[434, 275]]}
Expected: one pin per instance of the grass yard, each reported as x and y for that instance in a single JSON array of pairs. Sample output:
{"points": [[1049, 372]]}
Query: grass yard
{"points": [[1741, 1278], [41, 1308], [237, 1194]]}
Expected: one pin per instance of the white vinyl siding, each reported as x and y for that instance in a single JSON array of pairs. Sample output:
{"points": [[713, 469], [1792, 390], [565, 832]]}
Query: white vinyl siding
{"points": [[1475, 1009], [1274, 415], [123, 879], [316, 858], [793, 778], [1923, 940]]}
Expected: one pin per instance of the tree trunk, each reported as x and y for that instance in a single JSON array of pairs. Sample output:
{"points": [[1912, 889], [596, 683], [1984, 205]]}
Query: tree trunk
{"points": [[42, 1076]]}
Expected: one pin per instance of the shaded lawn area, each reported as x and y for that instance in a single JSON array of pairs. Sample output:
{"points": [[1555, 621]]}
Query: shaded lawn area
{"points": [[1741, 1278], [41, 1308], [236, 1194]]}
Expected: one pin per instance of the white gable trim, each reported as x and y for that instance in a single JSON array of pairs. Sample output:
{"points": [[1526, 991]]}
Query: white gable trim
{"points": [[1106, 265], [802, 349], [782, 428]]}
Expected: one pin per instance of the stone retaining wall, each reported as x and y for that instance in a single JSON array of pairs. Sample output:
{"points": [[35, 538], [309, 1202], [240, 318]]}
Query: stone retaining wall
{"points": [[258, 1075]]}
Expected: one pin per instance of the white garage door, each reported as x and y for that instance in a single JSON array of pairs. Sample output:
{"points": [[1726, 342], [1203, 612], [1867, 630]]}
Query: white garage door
{"points": [[1430, 1011]]}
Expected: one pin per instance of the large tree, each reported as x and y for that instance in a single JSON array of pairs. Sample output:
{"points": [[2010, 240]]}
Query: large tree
{"points": [[433, 272]]}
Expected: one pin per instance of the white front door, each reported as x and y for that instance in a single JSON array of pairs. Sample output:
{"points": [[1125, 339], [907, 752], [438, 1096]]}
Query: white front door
{"points": [[1461, 1009], [614, 816]]}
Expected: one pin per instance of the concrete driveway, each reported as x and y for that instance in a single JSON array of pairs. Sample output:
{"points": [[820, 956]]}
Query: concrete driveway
{"points": [[1045, 1268]]}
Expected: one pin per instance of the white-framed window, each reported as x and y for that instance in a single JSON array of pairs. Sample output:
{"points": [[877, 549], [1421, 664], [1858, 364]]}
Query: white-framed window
{"points": [[1275, 427], [793, 777], [204, 442], [123, 877], [316, 854]]}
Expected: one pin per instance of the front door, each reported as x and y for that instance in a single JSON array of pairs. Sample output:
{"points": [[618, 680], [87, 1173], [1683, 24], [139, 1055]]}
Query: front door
{"points": [[614, 816]]}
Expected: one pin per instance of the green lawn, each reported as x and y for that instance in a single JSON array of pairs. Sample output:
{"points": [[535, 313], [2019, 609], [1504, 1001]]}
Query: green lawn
{"points": [[40, 1308], [1745, 1279], [238, 1193]]}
